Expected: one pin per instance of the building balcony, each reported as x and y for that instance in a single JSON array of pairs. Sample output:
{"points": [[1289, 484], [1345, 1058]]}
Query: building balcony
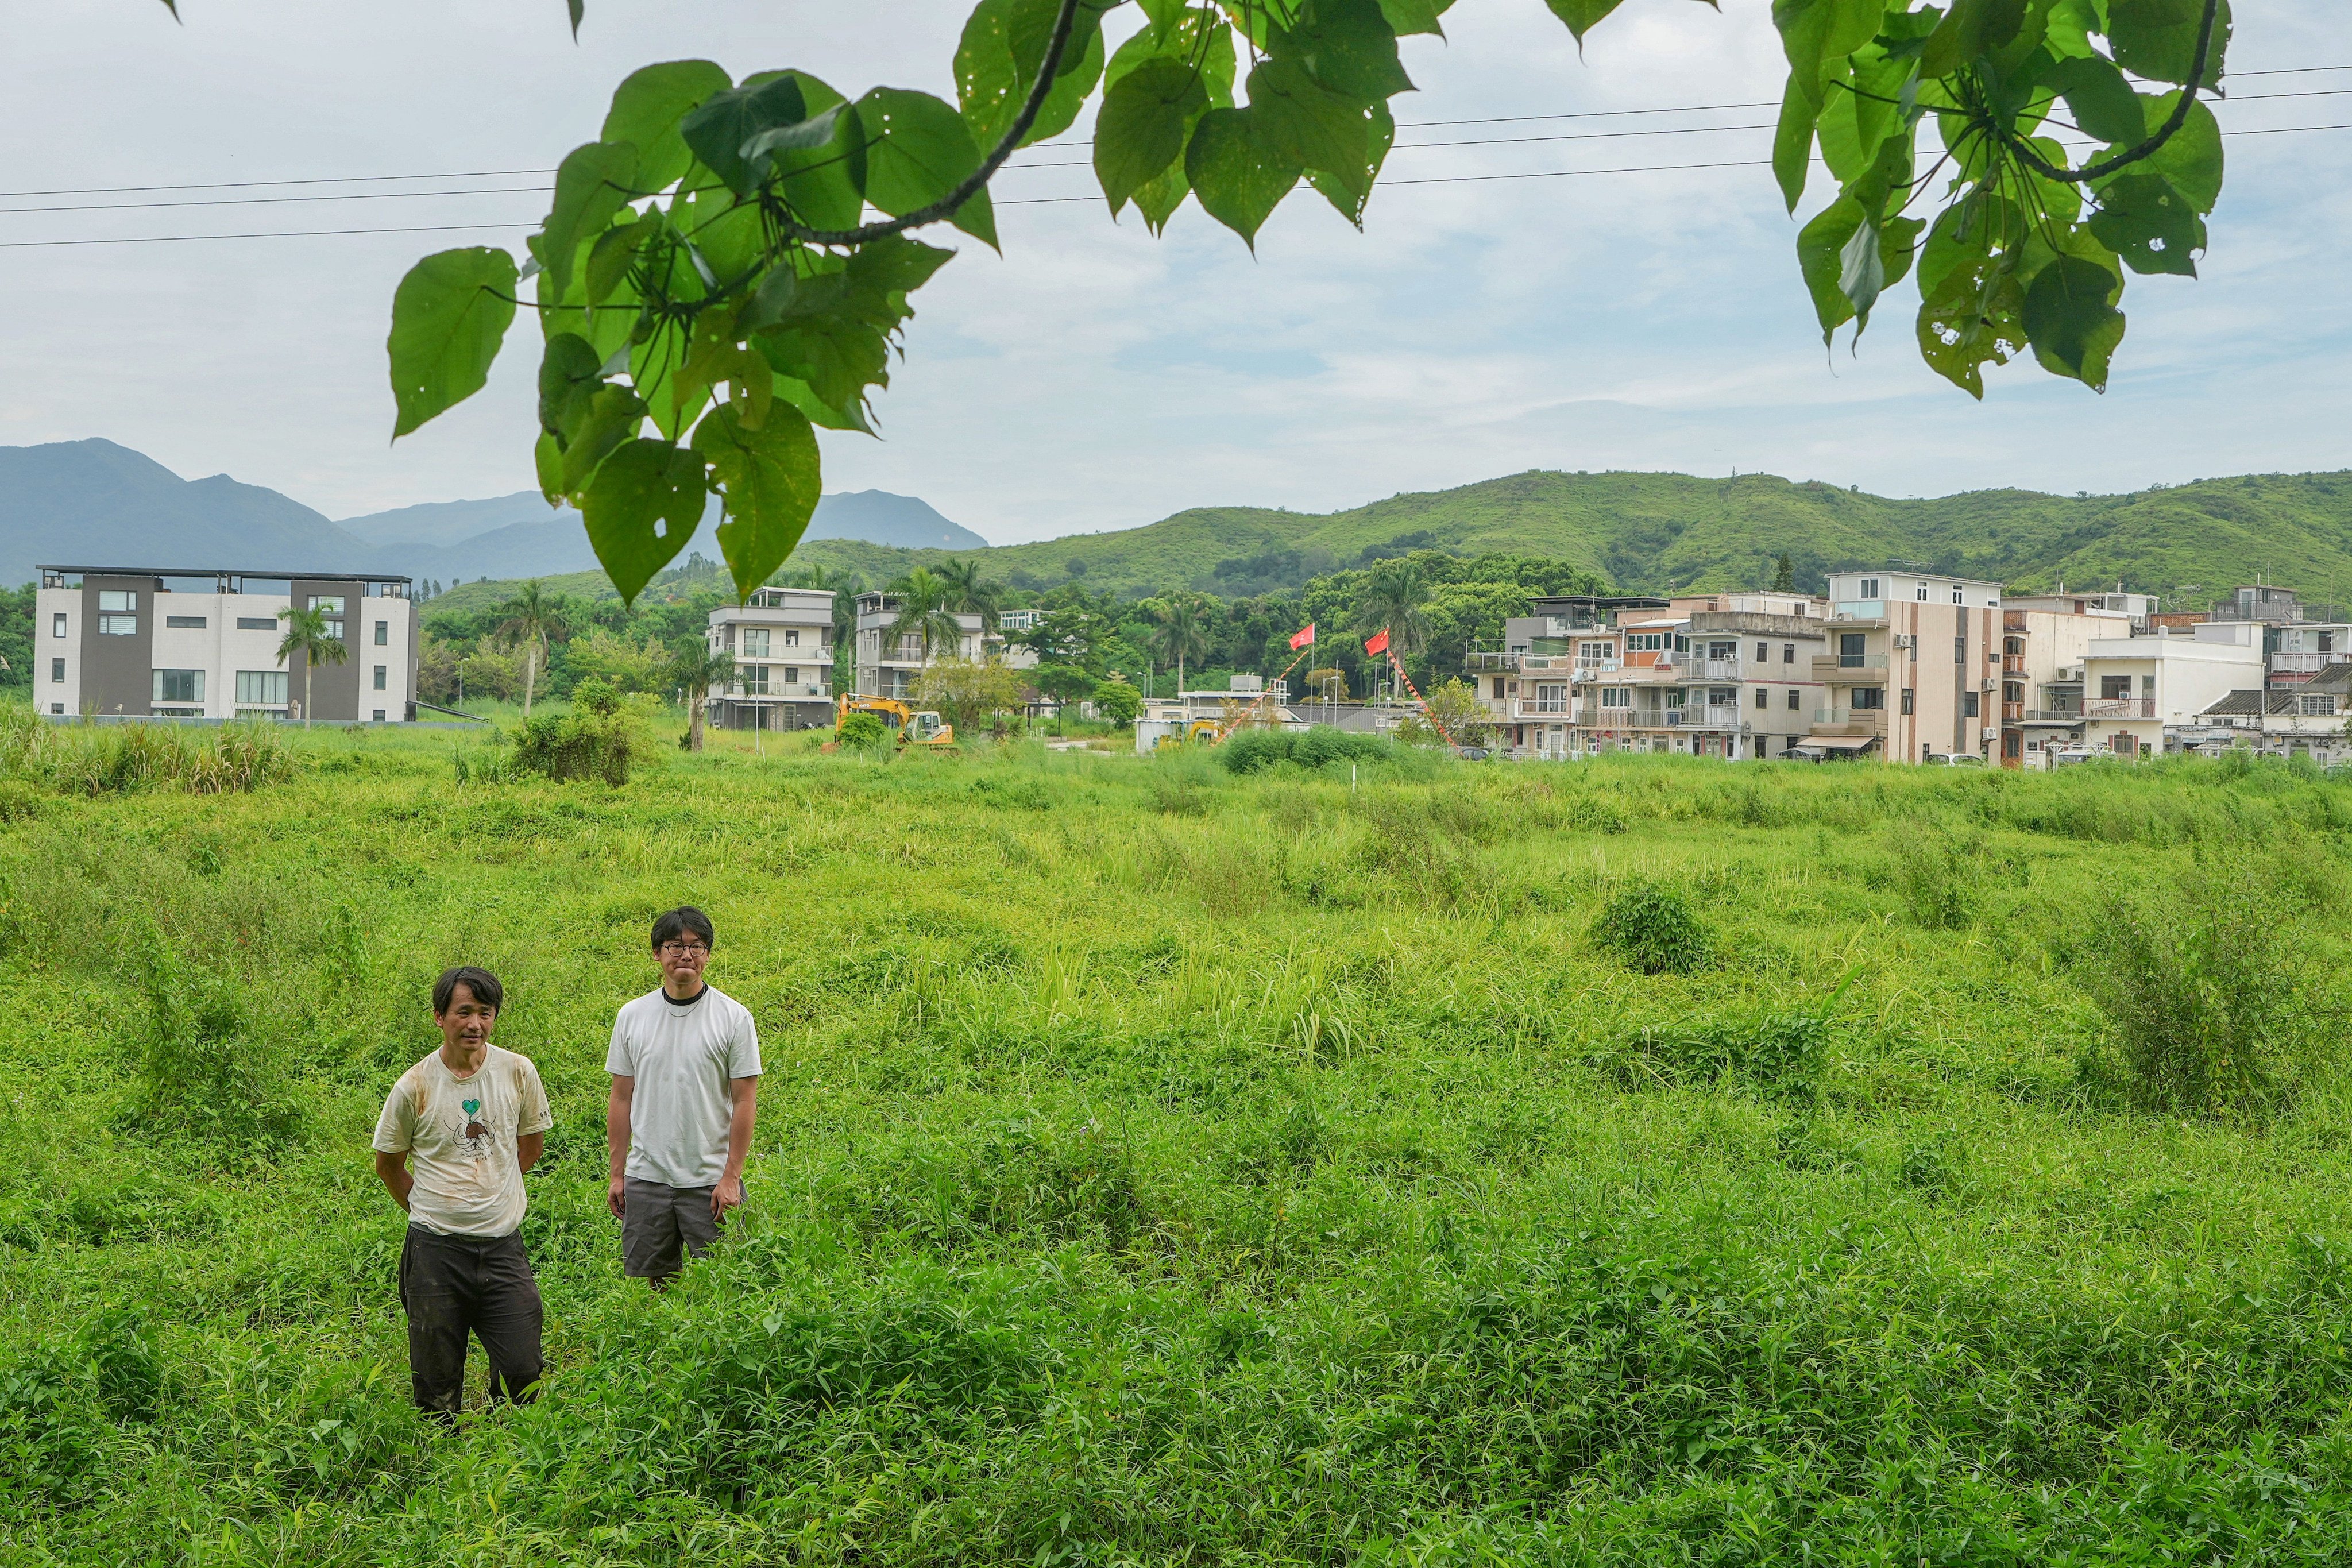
{"points": [[2129, 708], [1704, 716], [1593, 669], [2069, 716], [1849, 722], [1666, 672], [2303, 663], [1849, 668], [1537, 708]]}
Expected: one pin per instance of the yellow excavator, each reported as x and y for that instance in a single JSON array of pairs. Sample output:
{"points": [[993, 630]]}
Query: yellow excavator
{"points": [[915, 726]]}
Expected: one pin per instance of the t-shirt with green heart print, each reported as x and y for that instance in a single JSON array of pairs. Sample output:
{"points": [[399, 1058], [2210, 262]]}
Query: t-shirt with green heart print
{"points": [[459, 1135]]}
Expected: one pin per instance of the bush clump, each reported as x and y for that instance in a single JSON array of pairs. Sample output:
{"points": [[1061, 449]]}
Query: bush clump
{"points": [[1254, 750], [1653, 928], [597, 739], [202, 1070], [2204, 1001], [861, 731]]}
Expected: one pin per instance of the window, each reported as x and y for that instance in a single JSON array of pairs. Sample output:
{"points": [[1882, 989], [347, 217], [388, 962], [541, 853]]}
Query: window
{"points": [[384, 634], [755, 678], [2115, 687], [1792, 699], [262, 689], [58, 625], [1763, 652], [1870, 587], [1920, 593], [792, 675], [255, 624], [2310, 704], [56, 669], [2011, 691], [117, 625], [1551, 698], [1956, 594], [179, 686], [1870, 697], [1850, 646], [1682, 644], [331, 603], [1723, 697], [1498, 686], [1646, 642], [117, 600], [56, 707], [2013, 646], [1723, 650], [1763, 697], [1908, 704], [792, 637], [2009, 743], [379, 715], [1673, 696], [1968, 704], [2328, 642], [1788, 653], [1616, 696], [1960, 651], [379, 678], [755, 642], [185, 623]]}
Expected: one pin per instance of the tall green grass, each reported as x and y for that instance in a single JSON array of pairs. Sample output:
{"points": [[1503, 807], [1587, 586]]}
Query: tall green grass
{"points": [[1159, 1163]]}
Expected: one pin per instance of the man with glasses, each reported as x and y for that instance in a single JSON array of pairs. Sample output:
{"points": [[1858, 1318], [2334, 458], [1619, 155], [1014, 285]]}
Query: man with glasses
{"points": [[685, 1061]]}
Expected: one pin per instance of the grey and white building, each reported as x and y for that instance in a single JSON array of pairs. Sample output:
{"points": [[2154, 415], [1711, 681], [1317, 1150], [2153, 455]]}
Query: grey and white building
{"points": [[783, 642], [143, 643]]}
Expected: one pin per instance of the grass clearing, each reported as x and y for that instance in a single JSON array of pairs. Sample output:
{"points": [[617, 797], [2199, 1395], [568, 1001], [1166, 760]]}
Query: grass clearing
{"points": [[1162, 1163]]}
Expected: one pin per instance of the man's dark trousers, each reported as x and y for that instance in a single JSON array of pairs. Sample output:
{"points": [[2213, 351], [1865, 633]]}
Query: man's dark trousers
{"points": [[453, 1285]]}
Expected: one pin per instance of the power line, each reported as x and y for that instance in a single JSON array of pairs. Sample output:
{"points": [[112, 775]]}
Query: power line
{"points": [[273, 201], [256, 185], [277, 234]]}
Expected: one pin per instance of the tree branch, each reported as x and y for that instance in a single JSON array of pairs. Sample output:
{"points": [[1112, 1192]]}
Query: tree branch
{"points": [[2172, 122], [947, 206]]}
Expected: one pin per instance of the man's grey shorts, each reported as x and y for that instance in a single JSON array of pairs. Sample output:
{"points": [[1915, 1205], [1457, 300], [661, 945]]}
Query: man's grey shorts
{"points": [[657, 1221]]}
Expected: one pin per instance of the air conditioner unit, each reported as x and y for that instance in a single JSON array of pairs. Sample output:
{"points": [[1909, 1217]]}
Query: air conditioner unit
{"points": [[1991, 682], [1905, 640]]}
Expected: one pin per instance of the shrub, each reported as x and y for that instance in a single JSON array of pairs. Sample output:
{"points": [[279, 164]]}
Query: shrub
{"points": [[1936, 875], [1251, 750], [597, 739], [861, 731], [1653, 928], [202, 1070], [1118, 702], [2202, 997]]}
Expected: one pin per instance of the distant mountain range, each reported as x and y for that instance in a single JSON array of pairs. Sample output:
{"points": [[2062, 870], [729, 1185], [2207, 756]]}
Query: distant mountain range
{"points": [[95, 503]]}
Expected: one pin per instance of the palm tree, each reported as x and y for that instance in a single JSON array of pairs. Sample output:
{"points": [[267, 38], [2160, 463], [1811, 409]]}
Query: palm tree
{"points": [[306, 634], [923, 612], [1394, 596], [971, 593], [530, 615], [1177, 632], [697, 667]]}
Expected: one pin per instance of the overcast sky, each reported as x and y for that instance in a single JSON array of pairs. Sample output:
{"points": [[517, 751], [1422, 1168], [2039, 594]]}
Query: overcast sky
{"points": [[1095, 377]]}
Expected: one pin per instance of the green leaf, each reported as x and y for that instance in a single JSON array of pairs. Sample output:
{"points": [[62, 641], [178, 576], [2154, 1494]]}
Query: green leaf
{"points": [[1821, 245], [644, 504], [1159, 199], [769, 480], [895, 267], [1975, 318], [1351, 194], [1304, 124], [2101, 101], [2158, 38], [2148, 223], [646, 108], [792, 389], [1141, 126], [921, 149], [718, 127], [824, 187], [1581, 15], [2190, 161], [547, 460], [1978, 225], [614, 252], [1815, 32], [592, 184], [1348, 47], [1415, 16], [1238, 176], [997, 60], [613, 415], [2072, 320], [570, 372], [1971, 31], [448, 317], [1793, 141]]}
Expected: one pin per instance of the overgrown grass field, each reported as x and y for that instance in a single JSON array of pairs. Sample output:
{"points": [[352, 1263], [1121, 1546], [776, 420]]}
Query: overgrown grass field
{"points": [[1629, 1162]]}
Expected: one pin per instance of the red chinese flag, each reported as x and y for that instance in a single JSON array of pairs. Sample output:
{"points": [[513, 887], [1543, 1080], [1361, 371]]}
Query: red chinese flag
{"points": [[1378, 642], [1303, 638]]}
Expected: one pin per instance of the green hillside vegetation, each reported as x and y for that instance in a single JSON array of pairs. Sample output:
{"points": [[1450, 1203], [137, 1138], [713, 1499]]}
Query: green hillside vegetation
{"points": [[1641, 1161], [1649, 532]]}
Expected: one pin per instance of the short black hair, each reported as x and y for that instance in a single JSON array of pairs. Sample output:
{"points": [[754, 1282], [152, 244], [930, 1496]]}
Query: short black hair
{"points": [[480, 982], [685, 920]]}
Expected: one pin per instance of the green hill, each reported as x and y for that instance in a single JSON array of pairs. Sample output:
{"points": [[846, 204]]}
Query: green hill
{"points": [[1655, 531]]}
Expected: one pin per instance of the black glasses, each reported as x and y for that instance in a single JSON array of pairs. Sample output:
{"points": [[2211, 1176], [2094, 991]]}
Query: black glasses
{"points": [[686, 950]]}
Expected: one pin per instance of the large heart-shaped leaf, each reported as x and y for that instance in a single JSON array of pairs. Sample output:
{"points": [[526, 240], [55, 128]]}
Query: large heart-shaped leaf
{"points": [[449, 315], [2148, 223], [1141, 126], [2072, 320], [921, 149], [717, 129], [644, 504], [646, 108], [592, 184], [1238, 178], [769, 480]]}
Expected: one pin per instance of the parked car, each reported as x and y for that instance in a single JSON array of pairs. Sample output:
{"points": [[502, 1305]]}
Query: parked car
{"points": [[1954, 760]]}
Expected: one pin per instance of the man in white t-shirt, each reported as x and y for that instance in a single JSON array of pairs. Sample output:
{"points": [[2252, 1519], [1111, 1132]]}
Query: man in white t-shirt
{"points": [[685, 1061], [473, 1119]]}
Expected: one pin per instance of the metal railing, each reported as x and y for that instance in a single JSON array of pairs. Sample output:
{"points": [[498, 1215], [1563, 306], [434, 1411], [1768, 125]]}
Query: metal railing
{"points": [[1874, 718], [1846, 667], [1714, 669], [2054, 716], [1704, 716], [2130, 708]]}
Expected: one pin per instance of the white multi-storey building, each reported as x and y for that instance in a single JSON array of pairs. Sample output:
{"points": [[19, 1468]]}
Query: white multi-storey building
{"points": [[130, 643], [781, 640]]}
